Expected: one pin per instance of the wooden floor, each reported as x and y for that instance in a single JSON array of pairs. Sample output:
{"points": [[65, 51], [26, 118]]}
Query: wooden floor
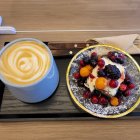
{"points": [[33, 18]]}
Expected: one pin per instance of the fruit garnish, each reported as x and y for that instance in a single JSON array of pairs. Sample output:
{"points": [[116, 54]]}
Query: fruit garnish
{"points": [[76, 75], [89, 67], [86, 59], [123, 87], [101, 63], [103, 101], [114, 101], [94, 99], [112, 72], [131, 86], [91, 76], [101, 73], [113, 83], [82, 63], [87, 94], [127, 93], [119, 93], [101, 83], [93, 54], [93, 63], [81, 82], [84, 72], [97, 92], [116, 57]]}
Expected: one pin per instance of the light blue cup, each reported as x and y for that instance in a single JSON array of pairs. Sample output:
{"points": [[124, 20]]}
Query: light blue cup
{"points": [[40, 90]]}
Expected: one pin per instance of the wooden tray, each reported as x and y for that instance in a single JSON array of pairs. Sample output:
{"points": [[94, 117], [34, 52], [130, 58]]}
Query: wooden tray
{"points": [[59, 106]]}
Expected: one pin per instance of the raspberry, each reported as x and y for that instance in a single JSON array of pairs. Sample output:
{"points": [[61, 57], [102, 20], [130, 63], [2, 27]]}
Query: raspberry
{"points": [[113, 83], [91, 76], [127, 93], [94, 99], [82, 63], [101, 63], [94, 54], [76, 75], [86, 94], [103, 101], [123, 87], [131, 86]]}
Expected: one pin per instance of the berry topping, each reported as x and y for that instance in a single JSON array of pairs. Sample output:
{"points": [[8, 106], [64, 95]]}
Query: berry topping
{"points": [[82, 63], [101, 73], [123, 87], [127, 93], [119, 93], [116, 57], [87, 94], [81, 82], [101, 63], [97, 92], [86, 59], [114, 101], [103, 101], [94, 99], [94, 54], [93, 63], [112, 72], [101, 83], [113, 83], [91, 76], [131, 86], [84, 72], [76, 75]]}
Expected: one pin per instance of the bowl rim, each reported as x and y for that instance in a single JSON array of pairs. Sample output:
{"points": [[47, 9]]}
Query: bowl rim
{"points": [[83, 107]]}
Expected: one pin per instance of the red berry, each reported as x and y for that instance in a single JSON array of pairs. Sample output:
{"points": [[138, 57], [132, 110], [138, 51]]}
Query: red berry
{"points": [[127, 93], [131, 86], [123, 87], [101, 63], [103, 101], [94, 100], [86, 94], [94, 54], [91, 76], [113, 58], [122, 55], [113, 83], [76, 75], [82, 63], [109, 54]]}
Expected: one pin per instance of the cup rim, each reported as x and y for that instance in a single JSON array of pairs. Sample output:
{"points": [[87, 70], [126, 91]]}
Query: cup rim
{"points": [[36, 82]]}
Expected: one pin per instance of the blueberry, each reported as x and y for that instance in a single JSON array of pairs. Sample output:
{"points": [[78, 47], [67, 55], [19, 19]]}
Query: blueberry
{"points": [[93, 62], [86, 59], [119, 93], [101, 73], [81, 82], [120, 60], [96, 92]]}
